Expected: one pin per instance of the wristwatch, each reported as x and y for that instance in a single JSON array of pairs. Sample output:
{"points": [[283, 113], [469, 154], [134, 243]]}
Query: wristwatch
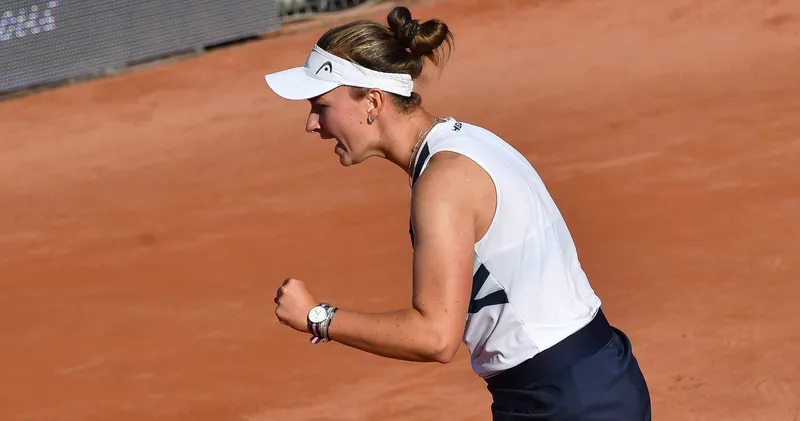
{"points": [[316, 316], [319, 318]]}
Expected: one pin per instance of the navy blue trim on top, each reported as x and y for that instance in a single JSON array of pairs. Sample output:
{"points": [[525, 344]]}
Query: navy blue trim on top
{"points": [[496, 298]]}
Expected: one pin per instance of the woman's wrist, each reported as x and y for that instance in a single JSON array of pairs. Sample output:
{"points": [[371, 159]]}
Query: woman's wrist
{"points": [[319, 321]]}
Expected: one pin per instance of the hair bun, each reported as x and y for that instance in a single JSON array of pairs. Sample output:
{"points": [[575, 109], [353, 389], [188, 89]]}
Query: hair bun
{"points": [[402, 26], [419, 39]]}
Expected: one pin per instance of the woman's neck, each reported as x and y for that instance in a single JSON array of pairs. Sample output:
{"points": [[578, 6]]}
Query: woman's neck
{"points": [[402, 136]]}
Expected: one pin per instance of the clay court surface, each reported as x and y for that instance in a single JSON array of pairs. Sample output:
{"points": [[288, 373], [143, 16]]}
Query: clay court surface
{"points": [[147, 219]]}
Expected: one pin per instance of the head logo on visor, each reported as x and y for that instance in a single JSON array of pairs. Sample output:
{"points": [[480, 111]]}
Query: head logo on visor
{"points": [[324, 71], [327, 66]]}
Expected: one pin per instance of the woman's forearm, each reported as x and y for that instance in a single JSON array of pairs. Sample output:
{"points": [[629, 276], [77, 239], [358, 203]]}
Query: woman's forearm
{"points": [[402, 334]]}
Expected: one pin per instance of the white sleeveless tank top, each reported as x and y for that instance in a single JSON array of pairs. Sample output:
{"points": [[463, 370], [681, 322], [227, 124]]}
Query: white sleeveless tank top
{"points": [[528, 290]]}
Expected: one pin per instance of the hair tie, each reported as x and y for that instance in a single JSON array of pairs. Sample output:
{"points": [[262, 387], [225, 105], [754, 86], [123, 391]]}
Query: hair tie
{"points": [[414, 29]]}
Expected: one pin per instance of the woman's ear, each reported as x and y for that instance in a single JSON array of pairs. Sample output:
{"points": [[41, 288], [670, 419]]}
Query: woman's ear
{"points": [[376, 99]]}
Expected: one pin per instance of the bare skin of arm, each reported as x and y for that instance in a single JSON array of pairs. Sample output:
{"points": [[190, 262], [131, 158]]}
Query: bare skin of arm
{"points": [[450, 212]]}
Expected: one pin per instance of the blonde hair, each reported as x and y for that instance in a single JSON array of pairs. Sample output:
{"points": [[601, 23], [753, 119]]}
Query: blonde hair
{"points": [[400, 47]]}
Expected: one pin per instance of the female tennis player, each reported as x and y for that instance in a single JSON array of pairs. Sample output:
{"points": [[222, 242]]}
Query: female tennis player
{"points": [[494, 265]]}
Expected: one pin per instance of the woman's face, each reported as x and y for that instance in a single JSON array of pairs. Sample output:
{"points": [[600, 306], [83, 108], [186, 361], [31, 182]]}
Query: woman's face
{"points": [[336, 115]]}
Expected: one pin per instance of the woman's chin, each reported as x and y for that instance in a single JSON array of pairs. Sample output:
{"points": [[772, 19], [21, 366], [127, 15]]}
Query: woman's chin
{"points": [[340, 151]]}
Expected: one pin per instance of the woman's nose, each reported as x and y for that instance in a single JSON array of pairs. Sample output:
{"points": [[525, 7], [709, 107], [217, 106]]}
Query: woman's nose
{"points": [[312, 123]]}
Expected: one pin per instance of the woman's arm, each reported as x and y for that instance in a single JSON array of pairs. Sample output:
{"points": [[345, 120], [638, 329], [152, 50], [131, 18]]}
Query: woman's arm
{"points": [[431, 330], [443, 220]]}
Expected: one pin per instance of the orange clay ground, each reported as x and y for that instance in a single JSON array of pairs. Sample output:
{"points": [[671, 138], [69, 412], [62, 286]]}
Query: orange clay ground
{"points": [[147, 219]]}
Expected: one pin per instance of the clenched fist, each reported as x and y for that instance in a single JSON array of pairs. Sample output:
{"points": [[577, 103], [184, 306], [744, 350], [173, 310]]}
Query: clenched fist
{"points": [[293, 304]]}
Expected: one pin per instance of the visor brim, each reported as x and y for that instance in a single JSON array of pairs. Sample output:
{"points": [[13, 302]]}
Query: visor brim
{"points": [[296, 84]]}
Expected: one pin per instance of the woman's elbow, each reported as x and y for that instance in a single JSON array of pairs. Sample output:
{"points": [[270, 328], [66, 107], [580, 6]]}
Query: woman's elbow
{"points": [[445, 350], [445, 356], [443, 340]]}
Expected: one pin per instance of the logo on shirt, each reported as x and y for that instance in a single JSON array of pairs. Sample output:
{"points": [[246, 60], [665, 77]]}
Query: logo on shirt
{"points": [[327, 66], [457, 127]]}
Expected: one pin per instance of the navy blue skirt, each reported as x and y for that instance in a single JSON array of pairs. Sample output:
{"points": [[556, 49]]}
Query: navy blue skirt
{"points": [[590, 376]]}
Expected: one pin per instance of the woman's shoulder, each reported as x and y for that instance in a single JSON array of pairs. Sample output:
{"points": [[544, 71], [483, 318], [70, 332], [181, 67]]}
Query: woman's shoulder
{"points": [[451, 181], [456, 155]]}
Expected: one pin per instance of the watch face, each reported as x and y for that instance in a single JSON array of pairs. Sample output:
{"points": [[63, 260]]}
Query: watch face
{"points": [[317, 314]]}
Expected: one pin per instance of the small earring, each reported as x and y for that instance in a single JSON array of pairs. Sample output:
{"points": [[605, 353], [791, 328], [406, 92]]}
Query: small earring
{"points": [[369, 118]]}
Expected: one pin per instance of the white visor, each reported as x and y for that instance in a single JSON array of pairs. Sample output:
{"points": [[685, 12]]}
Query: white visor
{"points": [[324, 72]]}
